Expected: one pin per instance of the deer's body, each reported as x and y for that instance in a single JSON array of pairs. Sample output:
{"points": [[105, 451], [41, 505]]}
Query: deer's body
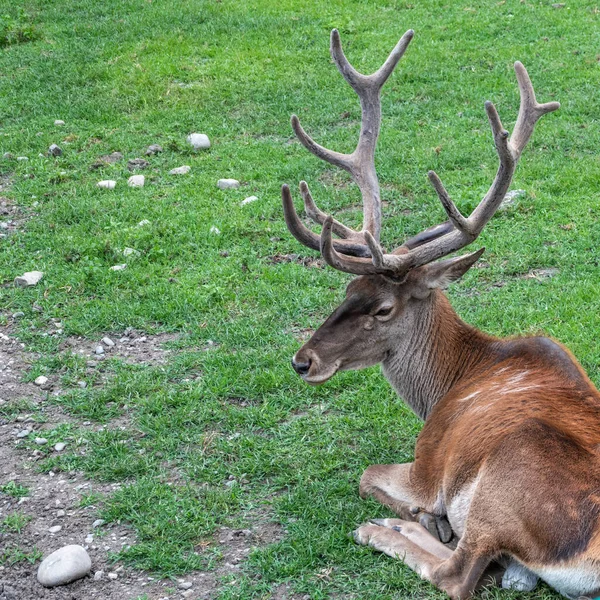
{"points": [[509, 454]]}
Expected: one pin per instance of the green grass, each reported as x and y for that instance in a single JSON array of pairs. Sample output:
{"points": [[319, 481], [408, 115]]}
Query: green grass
{"points": [[124, 75], [14, 489], [14, 522]]}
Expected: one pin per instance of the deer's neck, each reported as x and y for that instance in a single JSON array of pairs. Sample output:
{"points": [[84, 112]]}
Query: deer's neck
{"points": [[437, 353]]}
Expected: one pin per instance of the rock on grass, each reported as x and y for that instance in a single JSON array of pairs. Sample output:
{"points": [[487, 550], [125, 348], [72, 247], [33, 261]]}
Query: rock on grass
{"points": [[107, 184], [228, 184], [198, 141], [28, 279], [180, 170], [64, 565], [136, 181]]}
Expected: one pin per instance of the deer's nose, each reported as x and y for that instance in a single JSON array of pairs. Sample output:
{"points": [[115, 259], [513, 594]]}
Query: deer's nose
{"points": [[301, 367]]}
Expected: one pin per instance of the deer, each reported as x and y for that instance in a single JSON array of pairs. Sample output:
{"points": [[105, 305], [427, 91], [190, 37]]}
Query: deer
{"points": [[508, 458]]}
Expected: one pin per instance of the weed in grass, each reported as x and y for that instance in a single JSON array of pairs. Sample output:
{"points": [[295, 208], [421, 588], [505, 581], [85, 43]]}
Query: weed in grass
{"points": [[11, 555], [14, 522], [17, 29], [14, 489]]}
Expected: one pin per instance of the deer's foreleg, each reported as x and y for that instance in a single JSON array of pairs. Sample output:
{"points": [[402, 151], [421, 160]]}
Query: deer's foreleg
{"points": [[457, 572], [390, 485]]}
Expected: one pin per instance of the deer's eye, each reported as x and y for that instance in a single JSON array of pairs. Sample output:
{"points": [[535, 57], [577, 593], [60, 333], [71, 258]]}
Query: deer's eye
{"points": [[384, 311]]}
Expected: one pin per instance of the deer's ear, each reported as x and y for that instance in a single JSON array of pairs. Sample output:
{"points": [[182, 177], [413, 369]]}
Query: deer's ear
{"points": [[441, 274]]}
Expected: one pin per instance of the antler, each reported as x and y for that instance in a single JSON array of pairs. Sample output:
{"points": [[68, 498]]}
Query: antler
{"points": [[360, 163], [349, 254]]}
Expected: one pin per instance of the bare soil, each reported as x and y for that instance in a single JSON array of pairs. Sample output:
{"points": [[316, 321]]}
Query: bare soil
{"points": [[56, 499]]}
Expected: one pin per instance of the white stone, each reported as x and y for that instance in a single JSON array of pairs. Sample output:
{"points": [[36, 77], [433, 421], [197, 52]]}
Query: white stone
{"points": [[54, 150], [89, 539], [60, 513], [180, 170], [185, 585], [41, 441], [248, 200], [228, 184], [22, 158], [112, 576], [130, 252], [28, 279], [143, 223], [118, 267], [198, 141], [107, 184], [82, 384], [59, 123], [64, 565], [136, 181], [98, 523], [99, 350], [60, 446], [23, 433], [55, 529], [98, 575], [215, 230], [41, 380], [108, 342], [511, 197]]}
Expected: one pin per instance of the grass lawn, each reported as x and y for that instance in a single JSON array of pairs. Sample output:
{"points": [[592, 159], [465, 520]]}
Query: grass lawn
{"points": [[224, 433]]}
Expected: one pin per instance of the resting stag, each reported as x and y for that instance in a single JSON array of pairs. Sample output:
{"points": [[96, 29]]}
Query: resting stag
{"points": [[509, 454]]}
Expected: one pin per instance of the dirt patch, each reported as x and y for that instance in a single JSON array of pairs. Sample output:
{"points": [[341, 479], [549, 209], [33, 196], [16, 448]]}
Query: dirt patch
{"points": [[307, 261], [68, 500], [132, 346]]}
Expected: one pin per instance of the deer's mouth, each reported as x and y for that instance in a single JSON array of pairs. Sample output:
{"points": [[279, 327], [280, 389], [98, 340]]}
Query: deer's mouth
{"points": [[319, 374]]}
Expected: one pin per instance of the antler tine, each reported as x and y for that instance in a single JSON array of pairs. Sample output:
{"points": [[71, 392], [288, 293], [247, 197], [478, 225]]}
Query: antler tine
{"points": [[306, 237], [360, 163]]}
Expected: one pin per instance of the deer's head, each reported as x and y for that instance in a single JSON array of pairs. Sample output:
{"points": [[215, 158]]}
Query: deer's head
{"points": [[381, 306]]}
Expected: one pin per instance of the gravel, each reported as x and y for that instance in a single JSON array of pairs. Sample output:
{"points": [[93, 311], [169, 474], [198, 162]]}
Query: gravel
{"points": [[64, 565]]}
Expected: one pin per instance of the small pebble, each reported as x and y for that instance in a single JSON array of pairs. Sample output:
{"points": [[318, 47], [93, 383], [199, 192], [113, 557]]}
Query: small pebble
{"points": [[136, 181], [22, 158], [60, 446], [18, 315], [187, 593], [118, 267], [108, 184], [99, 350], [180, 170], [28, 279], [137, 163], [248, 200], [185, 585], [130, 252], [23, 433], [198, 141], [41, 380], [63, 566], [60, 513], [215, 230], [82, 384], [153, 149], [8, 155], [108, 342], [89, 539], [41, 441], [228, 184], [113, 576], [55, 529], [98, 523], [98, 575], [59, 123], [143, 223], [54, 150]]}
